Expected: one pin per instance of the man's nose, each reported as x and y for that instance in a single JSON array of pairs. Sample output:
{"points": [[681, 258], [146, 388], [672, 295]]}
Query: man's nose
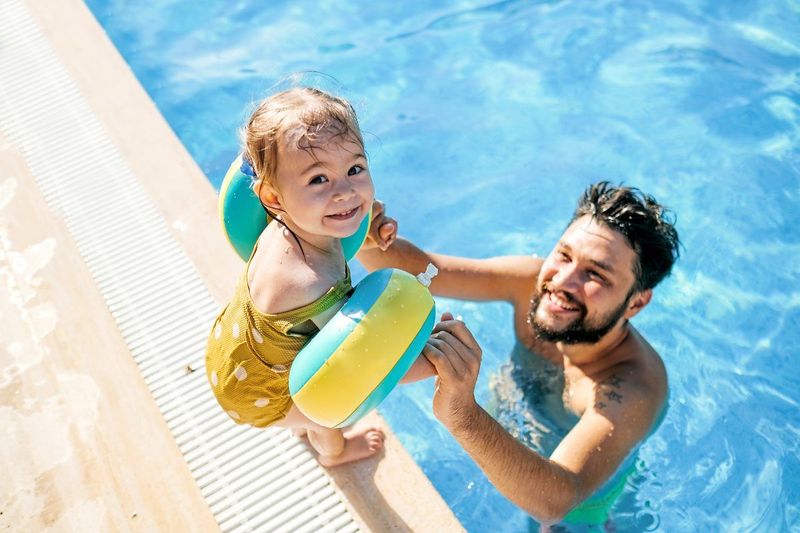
{"points": [[566, 278]]}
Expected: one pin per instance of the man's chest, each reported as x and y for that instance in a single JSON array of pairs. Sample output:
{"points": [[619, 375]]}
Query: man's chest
{"points": [[577, 390]]}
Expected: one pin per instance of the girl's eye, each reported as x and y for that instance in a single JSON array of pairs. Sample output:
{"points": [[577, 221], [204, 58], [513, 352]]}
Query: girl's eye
{"points": [[355, 169], [562, 256], [317, 180]]}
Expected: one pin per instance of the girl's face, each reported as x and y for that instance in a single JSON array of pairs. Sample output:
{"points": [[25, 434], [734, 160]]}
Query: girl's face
{"points": [[325, 190]]}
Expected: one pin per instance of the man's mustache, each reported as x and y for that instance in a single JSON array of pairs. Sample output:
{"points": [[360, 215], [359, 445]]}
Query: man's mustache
{"points": [[565, 295]]}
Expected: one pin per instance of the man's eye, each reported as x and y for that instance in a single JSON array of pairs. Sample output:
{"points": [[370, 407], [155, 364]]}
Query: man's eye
{"points": [[317, 180], [355, 169], [596, 277]]}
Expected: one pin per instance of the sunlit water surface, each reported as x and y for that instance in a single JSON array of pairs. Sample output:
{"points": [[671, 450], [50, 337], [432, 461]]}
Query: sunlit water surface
{"points": [[484, 121]]}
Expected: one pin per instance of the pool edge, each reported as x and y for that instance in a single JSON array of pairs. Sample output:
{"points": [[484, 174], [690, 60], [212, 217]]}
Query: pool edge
{"points": [[389, 493]]}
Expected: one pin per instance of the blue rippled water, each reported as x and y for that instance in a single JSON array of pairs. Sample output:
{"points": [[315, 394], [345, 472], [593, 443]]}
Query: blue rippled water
{"points": [[485, 121]]}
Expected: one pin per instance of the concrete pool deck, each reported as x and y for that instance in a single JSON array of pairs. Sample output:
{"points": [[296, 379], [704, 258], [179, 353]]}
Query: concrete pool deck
{"points": [[89, 447]]}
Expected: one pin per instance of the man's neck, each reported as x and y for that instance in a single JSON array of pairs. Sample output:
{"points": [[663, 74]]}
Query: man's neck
{"points": [[582, 355]]}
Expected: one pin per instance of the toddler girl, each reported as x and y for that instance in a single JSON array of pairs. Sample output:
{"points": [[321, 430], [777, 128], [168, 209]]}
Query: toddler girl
{"points": [[311, 175]]}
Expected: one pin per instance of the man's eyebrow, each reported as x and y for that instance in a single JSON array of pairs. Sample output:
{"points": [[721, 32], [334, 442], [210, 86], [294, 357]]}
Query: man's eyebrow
{"points": [[599, 264], [605, 266]]}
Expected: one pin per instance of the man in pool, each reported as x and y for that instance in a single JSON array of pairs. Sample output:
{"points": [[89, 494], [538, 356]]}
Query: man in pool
{"points": [[572, 310]]}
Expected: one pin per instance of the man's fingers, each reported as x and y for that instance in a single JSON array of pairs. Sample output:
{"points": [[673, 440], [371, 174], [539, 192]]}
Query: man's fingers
{"points": [[383, 229], [463, 358], [438, 359], [383, 234], [458, 329], [387, 232], [453, 350], [378, 211]]}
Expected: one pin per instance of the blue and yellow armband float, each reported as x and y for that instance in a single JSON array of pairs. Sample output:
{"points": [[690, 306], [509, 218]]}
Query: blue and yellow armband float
{"points": [[361, 354], [353, 363]]}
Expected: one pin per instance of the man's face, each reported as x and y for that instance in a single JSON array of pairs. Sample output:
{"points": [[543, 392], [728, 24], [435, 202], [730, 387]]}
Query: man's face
{"points": [[585, 285]]}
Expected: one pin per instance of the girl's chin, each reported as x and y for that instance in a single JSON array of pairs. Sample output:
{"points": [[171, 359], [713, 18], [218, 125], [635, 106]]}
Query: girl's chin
{"points": [[336, 233]]}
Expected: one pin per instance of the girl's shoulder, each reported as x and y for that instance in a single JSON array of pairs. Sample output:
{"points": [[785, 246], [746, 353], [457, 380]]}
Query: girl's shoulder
{"points": [[280, 279]]}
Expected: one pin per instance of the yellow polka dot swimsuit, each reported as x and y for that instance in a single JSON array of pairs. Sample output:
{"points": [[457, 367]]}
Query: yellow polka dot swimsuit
{"points": [[250, 353]]}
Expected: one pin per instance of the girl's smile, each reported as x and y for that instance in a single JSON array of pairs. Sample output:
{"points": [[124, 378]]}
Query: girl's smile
{"points": [[346, 215]]}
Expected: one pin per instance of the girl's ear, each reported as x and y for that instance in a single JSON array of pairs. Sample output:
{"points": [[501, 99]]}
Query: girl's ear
{"points": [[268, 195]]}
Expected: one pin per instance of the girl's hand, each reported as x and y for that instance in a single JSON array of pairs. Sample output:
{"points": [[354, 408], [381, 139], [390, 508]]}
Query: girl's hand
{"points": [[382, 229]]}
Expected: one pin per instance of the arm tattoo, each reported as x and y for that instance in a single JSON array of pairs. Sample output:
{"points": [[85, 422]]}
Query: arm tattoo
{"points": [[613, 396], [610, 388]]}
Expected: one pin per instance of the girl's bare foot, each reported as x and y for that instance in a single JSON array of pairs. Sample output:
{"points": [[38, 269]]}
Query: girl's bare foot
{"points": [[359, 443]]}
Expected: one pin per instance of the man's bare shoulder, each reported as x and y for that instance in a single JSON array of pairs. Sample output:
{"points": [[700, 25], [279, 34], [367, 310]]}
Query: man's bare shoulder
{"points": [[636, 386], [648, 367]]}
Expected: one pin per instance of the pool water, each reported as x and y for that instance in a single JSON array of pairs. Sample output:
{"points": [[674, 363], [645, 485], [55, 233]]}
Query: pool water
{"points": [[484, 121]]}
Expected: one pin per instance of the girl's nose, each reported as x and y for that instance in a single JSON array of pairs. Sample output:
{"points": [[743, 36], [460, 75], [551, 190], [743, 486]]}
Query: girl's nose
{"points": [[344, 190]]}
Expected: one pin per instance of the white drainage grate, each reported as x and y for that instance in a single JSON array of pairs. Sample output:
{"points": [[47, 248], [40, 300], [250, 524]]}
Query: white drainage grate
{"points": [[252, 480]]}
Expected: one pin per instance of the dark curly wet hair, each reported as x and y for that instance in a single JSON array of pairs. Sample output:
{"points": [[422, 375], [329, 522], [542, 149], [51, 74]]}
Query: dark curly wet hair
{"points": [[648, 226]]}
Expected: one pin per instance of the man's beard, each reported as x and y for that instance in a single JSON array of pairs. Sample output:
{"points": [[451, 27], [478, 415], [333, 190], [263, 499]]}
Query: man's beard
{"points": [[579, 331]]}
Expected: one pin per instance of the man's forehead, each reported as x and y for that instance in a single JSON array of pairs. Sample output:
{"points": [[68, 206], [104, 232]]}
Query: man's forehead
{"points": [[598, 242], [587, 225]]}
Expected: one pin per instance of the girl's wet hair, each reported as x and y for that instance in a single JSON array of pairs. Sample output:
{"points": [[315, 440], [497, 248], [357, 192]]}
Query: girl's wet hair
{"points": [[302, 116], [648, 226]]}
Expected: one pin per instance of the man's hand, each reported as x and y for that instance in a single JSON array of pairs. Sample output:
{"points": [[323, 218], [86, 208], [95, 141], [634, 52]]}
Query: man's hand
{"points": [[382, 229], [456, 356]]}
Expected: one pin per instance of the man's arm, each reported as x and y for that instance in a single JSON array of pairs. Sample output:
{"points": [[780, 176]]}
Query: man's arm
{"points": [[545, 488], [499, 278], [622, 414], [496, 278]]}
